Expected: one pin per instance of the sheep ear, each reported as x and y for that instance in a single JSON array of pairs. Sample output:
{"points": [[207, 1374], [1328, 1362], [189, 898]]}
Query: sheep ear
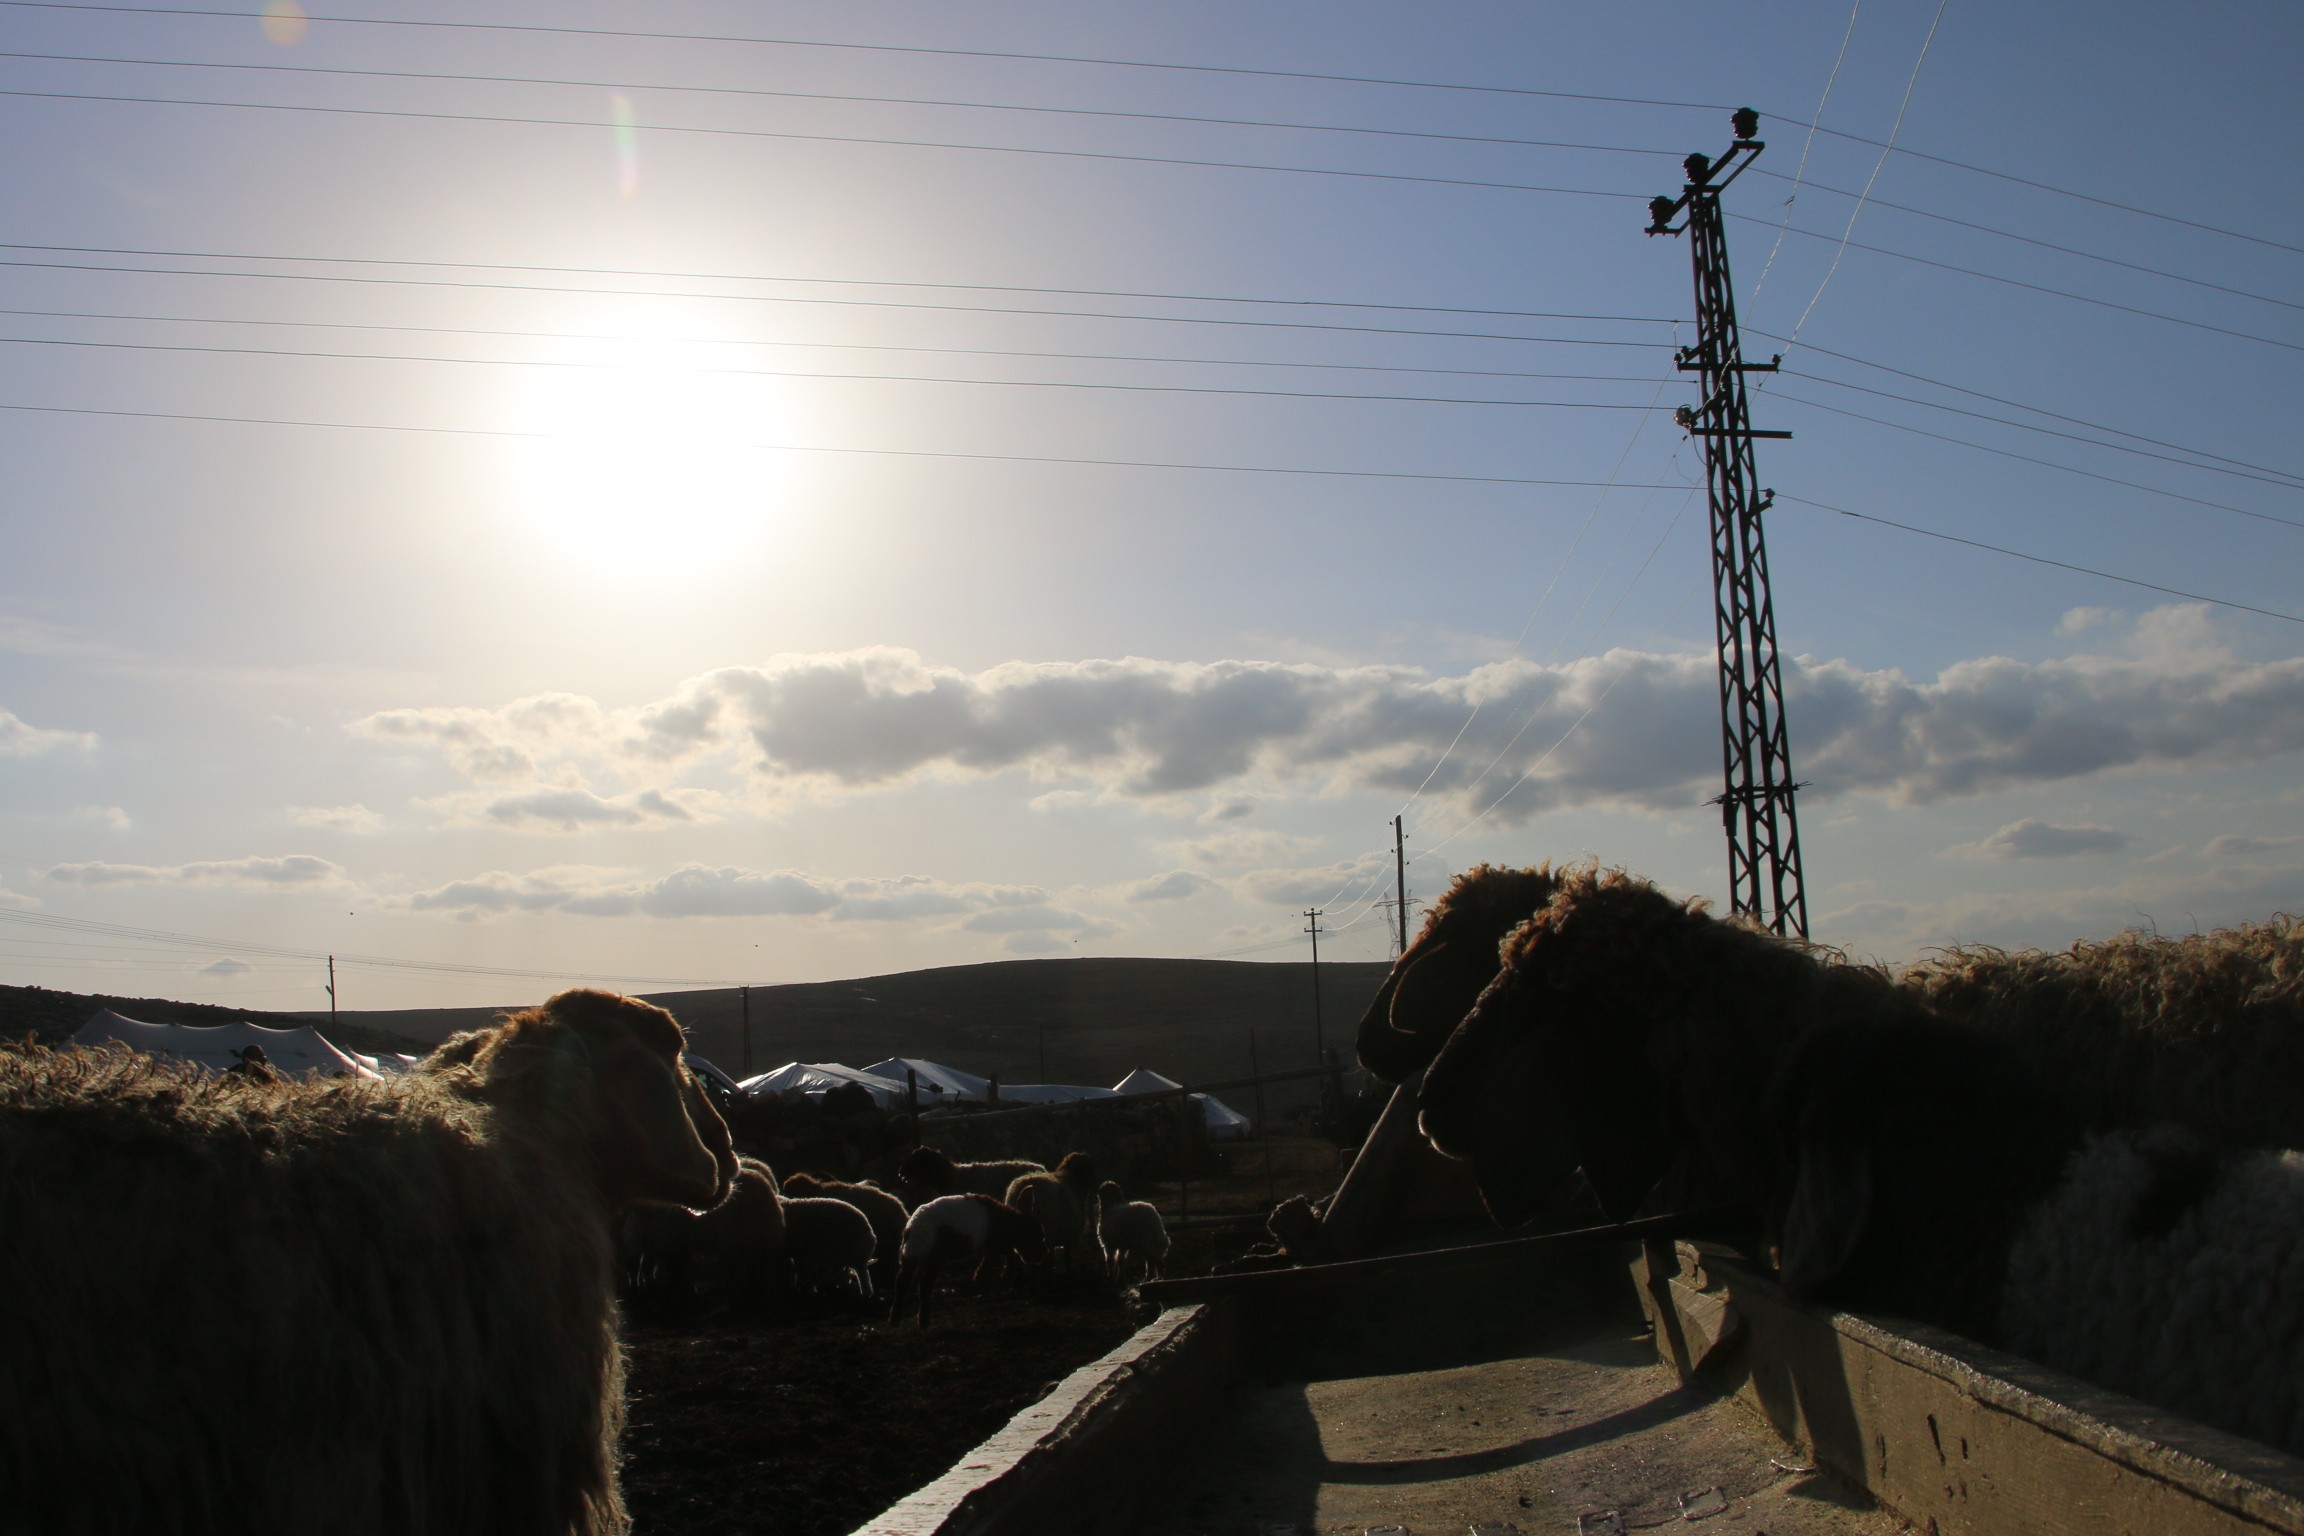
{"points": [[1830, 1208]]}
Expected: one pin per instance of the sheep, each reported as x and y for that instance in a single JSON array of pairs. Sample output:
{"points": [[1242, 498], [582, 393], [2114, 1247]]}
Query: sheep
{"points": [[954, 1228], [832, 1246], [2206, 1029], [1940, 1177], [1130, 1229], [1624, 1031], [1438, 978], [741, 1241], [429, 1257], [1064, 1203], [885, 1211], [927, 1172]]}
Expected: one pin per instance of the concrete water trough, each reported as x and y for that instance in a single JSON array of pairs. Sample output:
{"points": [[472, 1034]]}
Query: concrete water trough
{"points": [[1585, 1382]]}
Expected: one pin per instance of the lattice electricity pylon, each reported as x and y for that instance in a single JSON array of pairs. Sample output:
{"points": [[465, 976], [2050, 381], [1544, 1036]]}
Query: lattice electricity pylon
{"points": [[1755, 747]]}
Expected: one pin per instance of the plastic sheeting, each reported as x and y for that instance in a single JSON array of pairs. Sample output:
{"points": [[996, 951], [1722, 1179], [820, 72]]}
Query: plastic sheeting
{"points": [[298, 1052]]}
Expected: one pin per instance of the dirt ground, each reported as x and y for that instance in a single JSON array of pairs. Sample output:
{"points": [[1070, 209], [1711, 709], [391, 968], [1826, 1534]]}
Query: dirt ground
{"points": [[810, 1425]]}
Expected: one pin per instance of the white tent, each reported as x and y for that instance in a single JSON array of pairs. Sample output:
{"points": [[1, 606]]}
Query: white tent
{"points": [[383, 1063], [1224, 1122], [816, 1077], [1050, 1093], [297, 1052], [939, 1084]]}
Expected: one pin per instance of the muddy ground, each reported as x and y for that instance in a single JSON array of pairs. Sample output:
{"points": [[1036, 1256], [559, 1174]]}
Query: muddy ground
{"points": [[810, 1425]]}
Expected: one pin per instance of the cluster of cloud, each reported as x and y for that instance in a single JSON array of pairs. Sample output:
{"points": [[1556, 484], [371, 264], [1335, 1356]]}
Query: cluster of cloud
{"points": [[1027, 919], [2032, 838], [292, 871], [21, 739], [1629, 729]]}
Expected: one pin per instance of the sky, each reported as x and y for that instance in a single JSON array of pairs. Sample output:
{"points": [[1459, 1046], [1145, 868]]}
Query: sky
{"points": [[685, 494]]}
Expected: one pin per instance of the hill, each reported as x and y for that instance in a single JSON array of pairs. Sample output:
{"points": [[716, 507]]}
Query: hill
{"points": [[1067, 1021]]}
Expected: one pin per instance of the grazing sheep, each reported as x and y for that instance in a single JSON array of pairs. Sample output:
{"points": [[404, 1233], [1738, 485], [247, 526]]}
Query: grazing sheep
{"points": [[1131, 1229], [1624, 1030], [1940, 1178], [741, 1242], [429, 1258], [928, 1172], [885, 1211], [1438, 978], [832, 1246], [952, 1229]]}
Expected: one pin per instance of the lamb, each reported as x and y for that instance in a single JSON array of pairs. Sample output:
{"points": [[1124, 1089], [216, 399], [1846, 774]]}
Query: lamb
{"points": [[952, 1229], [1624, 1031], [1131, 1229], [885, 1211], [741, 1242], [832, 1246], [928, 1173], [1064, 1203], [1438, 978], [429, 1256], [1938, 1177]]}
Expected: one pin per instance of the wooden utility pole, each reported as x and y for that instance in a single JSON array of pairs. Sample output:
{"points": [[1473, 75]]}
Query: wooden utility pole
{"points": [[331, 991], [746, 993], [1400, 872], [1319, 1035]]}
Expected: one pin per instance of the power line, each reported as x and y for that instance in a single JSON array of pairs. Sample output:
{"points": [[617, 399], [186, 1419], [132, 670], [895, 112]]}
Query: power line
{"points": [[756, 93], [835, 346], [52, 920], [1433, 476], [796, 136], [956, 53], [2285, 482], [799, 373], [464, 285], [2017, 282], [675, 274], [1800, 171], [2009, 453], [2062, 565]]}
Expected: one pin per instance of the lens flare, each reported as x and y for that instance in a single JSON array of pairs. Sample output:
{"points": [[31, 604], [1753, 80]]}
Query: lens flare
{"points": [[627, 145], [283, 22]]}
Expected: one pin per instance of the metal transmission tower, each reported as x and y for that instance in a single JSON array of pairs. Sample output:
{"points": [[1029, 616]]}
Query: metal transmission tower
{"points": [[1755, 747]]}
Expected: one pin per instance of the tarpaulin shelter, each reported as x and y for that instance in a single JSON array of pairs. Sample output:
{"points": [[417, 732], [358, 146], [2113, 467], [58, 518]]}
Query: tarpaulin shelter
{"points": [[1224, 1122], [939, 1084], [297, 1052], [818, 1077]]}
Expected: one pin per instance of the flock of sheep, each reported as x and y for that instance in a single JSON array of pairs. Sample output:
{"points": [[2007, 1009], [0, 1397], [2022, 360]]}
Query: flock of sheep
{"points": [[1983, 1143], [234, 1303]]}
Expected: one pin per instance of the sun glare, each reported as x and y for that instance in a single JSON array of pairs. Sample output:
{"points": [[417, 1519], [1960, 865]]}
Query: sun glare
{"points": [[649, 453]]}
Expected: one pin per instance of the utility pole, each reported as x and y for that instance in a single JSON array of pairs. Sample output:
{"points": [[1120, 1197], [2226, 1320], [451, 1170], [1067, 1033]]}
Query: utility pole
{"points": [[1756, 806], [331, 991], [1400, 873], [1319, 1036], [746, 993]]}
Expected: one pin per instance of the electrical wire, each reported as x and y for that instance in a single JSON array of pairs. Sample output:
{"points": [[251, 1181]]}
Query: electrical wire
{"points": [[2062, 565], [1901, 108], [782, 135], [2009, 453], [1807, 143]]}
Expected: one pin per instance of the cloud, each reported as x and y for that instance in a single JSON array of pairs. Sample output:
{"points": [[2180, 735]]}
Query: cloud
{"points": [[226, 967], [295, 869], [580, 810], [1176, 885], [2235, 845], [1315, 887], [699, 890], [2032, 838], [18, 739], [1629, 729], [1241, 846], [355, 819], [16, 901]]}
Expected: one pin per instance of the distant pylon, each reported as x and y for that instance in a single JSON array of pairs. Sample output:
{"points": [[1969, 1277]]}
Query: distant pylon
{"points": [[1756, 806]]}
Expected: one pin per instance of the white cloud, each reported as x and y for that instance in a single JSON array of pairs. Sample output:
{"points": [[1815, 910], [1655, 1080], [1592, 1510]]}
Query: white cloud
{"points": [[1241, 846], [1345, 880], [19, 739], [226, 967], [113, 817], [295, 869], [16, 901], [1628, 729], [1176, 885], [575, 809], [2076, 620], [355, 819], [2235, 845], [2032, 838]]}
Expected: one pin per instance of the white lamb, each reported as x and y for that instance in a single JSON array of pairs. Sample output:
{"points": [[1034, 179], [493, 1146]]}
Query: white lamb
{"points": [[1132, 1230]]}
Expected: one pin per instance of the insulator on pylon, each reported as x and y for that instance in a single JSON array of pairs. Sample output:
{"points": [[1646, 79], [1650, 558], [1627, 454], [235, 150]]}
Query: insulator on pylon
{"points": [[1699, 166], [1746, 122]]}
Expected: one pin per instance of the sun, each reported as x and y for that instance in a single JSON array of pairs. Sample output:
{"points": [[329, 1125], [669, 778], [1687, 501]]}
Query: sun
{"points": [[650, 452]]}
